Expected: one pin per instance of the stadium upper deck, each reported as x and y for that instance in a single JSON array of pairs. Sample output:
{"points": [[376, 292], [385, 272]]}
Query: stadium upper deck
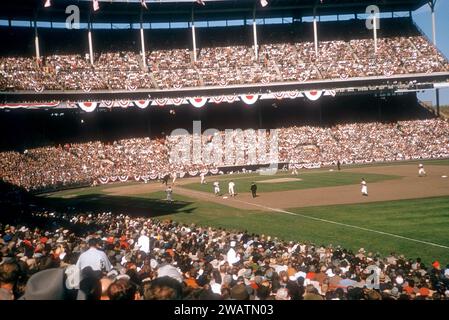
{"points": [[296, 53], [181, 10]]}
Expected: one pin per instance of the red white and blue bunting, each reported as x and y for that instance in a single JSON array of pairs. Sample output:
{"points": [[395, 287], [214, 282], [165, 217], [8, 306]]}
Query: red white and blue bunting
{"points": [[123, 103], [86, 88], [103, 180], [198, 102], [193, 173], [142, 104], [28, 105], [88, 106], [38, 88], [313, 95], [160, 102], [249, 99], [178, 101], [107, 103], [217, 99]]}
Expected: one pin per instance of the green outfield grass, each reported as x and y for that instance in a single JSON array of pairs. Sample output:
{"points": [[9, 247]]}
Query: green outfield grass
{"points": [[421, 219], [313, 179]]}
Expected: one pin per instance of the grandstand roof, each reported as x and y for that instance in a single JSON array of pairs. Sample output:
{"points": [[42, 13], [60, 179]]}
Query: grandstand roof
{"points": [[119, 11]]}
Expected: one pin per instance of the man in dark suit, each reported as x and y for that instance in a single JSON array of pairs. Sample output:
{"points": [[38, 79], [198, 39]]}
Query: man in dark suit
{"points": [[253, 189]]}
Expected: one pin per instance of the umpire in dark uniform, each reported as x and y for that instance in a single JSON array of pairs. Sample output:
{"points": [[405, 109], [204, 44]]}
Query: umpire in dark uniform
{"points": [[253, 189]]}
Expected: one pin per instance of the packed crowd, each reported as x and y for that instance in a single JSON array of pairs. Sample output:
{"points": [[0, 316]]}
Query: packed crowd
{"points": [[219, 66], [97, 256], [76, 163]]}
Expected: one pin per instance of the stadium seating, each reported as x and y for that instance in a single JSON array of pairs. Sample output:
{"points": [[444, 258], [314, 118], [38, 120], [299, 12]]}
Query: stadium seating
{"points": [[45, 167], [342, 54]]}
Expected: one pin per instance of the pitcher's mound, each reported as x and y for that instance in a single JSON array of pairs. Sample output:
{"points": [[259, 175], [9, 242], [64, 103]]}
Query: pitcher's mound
{"points": [[280, 180]]}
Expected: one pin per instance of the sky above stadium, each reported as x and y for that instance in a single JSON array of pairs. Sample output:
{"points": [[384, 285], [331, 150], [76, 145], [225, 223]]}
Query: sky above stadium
{"points": [[423, 19]]}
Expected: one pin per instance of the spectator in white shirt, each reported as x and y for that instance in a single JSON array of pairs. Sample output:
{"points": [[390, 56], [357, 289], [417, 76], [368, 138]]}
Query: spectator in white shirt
{"points": [[143, 243], [94, 258]]}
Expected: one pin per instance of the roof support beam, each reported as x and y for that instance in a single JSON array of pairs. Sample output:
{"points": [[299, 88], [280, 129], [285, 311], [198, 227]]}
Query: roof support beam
{"points": [[256, 46], [36, 43], [315, 31], [437, 94], [193, 37], [432, 8], [142, 41]]}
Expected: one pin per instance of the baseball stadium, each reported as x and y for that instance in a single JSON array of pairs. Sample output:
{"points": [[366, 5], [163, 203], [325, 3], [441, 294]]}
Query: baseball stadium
{"points": [[224, 150]]}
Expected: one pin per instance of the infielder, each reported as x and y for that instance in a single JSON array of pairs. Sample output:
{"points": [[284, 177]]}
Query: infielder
{"points": [[217, 188], [231, 186], [169, 192], [421, 171], [203, 179], [295, 171], [364, 187]]}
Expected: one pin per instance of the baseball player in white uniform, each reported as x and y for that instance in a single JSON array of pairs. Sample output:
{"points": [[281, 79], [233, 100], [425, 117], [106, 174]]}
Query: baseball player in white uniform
{"points": [[421, 171], [169, 192], [364, 187], [216, 188], [231, 186], [295, 171], [203, 179]]}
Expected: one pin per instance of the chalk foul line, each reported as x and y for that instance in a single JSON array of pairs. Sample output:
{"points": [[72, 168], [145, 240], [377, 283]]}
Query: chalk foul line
{"points": [[324, 220], [345, 225]]}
